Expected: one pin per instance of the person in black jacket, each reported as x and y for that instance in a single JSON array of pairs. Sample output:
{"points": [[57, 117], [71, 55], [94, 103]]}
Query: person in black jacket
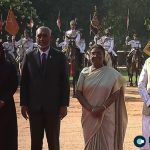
{"points": [[44, 90], [8, 119]]}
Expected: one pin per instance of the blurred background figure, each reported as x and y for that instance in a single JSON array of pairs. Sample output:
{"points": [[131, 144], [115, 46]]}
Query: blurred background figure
{"points": [[9, 46], [107, 41], [24, 45], [25, 42], [135, 43]]}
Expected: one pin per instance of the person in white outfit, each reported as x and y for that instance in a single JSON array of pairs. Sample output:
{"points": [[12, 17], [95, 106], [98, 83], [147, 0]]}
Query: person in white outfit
{"points": [[134, 44], [73, 34], [144, 91], [60, 44], [9, 46], [107, 41]]}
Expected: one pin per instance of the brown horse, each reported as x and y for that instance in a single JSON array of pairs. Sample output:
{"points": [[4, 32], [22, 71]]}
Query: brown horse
{"points": [[74, 60], [134, 64]]}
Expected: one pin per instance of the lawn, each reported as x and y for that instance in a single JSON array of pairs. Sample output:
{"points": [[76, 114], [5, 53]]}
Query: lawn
{"points": [[125, 74]]}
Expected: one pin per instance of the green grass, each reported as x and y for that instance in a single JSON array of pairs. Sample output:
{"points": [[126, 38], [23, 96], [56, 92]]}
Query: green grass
{"points": [[122, 71], [125, 75]]}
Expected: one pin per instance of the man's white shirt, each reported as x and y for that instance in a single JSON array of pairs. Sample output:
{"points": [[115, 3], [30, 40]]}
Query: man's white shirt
{"points": [[9, 47]]}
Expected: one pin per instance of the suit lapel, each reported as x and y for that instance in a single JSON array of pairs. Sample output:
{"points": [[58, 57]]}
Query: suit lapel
{"points": [[37, 57], [49, 58]]}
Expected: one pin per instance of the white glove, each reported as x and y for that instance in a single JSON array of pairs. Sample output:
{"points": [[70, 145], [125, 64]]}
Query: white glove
{"points": [[127, 38], [57, 39]]}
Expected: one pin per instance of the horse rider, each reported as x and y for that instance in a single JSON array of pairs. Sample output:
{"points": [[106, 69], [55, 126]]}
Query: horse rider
{"points": [[134, 43], [60, 44], [107, 41], [9, 46], [73, 34], [26, 42]]}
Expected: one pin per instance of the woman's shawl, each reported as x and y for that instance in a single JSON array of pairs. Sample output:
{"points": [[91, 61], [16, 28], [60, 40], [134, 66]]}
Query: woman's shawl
{"points": [[97, 86]]}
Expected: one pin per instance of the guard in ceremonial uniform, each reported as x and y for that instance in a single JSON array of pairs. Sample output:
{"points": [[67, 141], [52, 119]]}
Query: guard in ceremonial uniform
{"points": [[73, 33], [135, 44], [24, 45], [107, 41], [9, 46], [26, 42]]}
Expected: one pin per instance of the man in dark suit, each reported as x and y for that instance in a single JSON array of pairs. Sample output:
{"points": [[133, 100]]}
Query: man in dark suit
{"points": [[44, 91]]}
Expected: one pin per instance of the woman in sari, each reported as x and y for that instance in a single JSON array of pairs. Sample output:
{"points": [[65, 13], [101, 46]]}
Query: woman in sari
{"points": [[100, 92]]}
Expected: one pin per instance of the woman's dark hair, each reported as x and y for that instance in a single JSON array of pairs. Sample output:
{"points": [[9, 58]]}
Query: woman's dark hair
{"points": [[100, 48]]}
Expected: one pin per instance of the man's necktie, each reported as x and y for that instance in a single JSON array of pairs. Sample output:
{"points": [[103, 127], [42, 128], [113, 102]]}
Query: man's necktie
{"points": [[43, 60]]}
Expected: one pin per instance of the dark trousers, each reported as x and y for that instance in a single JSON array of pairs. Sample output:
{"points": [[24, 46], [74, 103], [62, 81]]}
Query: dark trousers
{"points": [[8, 128], [49, 122]]}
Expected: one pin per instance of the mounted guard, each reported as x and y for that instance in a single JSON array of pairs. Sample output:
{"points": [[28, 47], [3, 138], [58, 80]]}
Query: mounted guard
{"points": [[135, 44], [72, 49], [9, 47], [107, 41], [134, 58], [24, 45]]}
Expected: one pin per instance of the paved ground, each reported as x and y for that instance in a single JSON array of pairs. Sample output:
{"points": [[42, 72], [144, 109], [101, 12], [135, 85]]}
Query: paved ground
{"points": [[71, 131]]}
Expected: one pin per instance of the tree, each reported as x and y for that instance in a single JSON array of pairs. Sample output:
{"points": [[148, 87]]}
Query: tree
{"points": [[23, 10]]}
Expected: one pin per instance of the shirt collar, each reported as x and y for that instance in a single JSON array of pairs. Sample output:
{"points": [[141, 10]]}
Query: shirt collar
{"points": [[46, 52]]}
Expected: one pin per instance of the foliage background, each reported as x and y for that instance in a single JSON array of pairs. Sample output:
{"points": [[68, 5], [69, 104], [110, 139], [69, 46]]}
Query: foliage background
{"points": [[110, 13]]}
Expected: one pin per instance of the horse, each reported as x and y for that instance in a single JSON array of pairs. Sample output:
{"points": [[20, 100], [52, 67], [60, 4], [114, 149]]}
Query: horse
{"points": [[134, 65], [74, 60]]}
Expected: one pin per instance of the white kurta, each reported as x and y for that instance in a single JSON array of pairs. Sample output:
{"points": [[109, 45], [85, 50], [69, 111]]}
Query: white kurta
{"points": [[27, 44], [142, 85]]}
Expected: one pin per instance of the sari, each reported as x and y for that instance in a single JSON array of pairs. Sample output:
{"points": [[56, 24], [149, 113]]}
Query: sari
{"points": [[108, 131]]}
